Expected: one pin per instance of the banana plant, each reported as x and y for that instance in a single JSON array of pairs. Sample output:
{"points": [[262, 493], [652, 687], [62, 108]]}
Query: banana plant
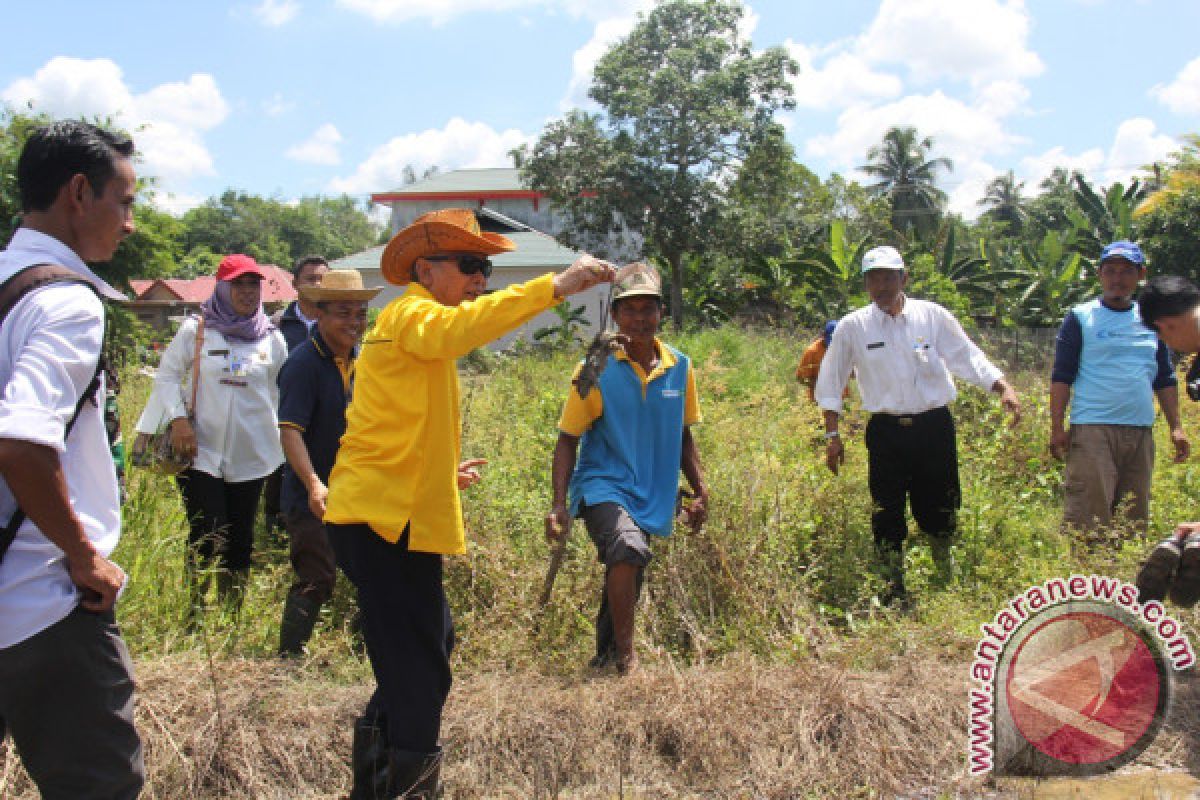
{"points": [[831, 276], [1099, 220], [1051, 278]]}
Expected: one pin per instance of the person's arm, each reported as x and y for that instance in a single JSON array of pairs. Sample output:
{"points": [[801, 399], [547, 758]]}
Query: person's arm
{"points": [[430, 330], [1068, 350], [295, 451], [835, 451], [35, 476], [697, 509], [1060, 398], [562, 464], [1168, 401]]}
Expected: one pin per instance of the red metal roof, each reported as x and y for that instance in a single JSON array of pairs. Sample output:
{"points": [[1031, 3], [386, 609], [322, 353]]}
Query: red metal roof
{"points": [[277, 288]]}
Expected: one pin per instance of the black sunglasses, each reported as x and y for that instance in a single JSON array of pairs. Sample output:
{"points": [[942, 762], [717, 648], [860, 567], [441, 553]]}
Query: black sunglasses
{"points": [[467, 265]]}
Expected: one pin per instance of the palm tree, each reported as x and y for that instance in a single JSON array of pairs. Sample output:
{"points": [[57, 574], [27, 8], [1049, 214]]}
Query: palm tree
{"points": [[906, 177], [1004, 202]]}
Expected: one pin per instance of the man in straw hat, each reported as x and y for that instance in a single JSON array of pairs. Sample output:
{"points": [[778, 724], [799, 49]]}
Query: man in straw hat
{"points": [[314, 389], [634, 426], [393, 509]]}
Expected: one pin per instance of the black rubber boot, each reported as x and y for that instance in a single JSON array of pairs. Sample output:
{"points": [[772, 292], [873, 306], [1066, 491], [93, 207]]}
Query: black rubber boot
{"points": [[414, 776], [369, 759], [231, 589], [296, 627]]}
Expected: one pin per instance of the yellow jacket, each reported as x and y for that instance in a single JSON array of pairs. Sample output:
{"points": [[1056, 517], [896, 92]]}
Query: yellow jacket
{"points": [[399, 457]]}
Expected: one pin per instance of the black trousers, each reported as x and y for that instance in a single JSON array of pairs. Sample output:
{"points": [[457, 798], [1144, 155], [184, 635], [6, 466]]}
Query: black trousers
{"points": [[221, 518], [407, 629], [914, 458], [66, 694]]}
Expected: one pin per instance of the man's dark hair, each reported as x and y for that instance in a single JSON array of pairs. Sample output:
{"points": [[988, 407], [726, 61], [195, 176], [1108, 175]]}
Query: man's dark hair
{"points": [[1166, 296], [305, 261], [55, 153]]}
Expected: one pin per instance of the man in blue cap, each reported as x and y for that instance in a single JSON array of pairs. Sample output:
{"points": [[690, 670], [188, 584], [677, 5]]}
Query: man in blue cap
{"points": [[1108, 367]]}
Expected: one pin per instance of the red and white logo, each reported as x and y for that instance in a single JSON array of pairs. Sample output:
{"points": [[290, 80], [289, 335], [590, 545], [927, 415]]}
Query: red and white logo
{"points": [[1085, 688]]}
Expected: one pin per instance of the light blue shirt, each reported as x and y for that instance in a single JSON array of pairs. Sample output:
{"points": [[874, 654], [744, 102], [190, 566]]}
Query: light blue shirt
{"points": [[631, 454], [1117, 368]]}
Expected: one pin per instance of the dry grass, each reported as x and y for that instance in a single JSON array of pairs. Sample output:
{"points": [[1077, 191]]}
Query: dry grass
{"points": [[739, 730]]}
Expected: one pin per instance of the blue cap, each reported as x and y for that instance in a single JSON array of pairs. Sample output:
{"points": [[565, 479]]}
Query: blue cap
{"points": [[1123, 249], [827, 333]]}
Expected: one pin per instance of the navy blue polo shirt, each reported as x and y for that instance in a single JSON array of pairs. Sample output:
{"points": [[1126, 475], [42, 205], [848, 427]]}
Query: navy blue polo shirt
{"points": [[313, 394]]}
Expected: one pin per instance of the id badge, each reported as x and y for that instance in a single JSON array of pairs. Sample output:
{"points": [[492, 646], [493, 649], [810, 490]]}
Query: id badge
{"points": [[239, 365]]}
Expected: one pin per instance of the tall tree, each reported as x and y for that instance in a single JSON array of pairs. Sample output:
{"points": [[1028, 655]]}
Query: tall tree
{"points": [[1004, 202], [684, 100], [907, 176]]}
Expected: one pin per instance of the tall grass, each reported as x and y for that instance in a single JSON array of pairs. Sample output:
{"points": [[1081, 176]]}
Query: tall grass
{"points": [[781, 572]]}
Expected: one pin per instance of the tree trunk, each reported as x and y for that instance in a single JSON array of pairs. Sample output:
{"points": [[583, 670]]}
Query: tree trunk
{"points": [[676, 262]]}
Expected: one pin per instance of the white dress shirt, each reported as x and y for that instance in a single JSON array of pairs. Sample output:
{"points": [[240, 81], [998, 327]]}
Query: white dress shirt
{"points": [[237, 428], [903, 363], [49, 344]]}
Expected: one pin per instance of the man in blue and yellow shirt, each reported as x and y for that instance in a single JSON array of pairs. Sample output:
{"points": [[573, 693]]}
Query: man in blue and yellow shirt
{"points": [[393, 508], [632, 436]]}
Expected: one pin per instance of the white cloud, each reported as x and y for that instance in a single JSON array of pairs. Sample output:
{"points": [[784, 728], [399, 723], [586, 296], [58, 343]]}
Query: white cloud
{"points": [[976, 40], [1136, 143], [274, 13], [1037, 168], [460, 144], [174, 202], [438, 12], [844, 79], [1181, 95], [320, 148], [276, 105], [167, 122], [583, 62]]}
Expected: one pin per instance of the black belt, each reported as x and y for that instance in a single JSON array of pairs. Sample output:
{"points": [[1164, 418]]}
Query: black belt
{"points": [[908, 420]]}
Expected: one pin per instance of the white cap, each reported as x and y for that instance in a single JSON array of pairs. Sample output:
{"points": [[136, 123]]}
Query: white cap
{"points": [[886, 257]]}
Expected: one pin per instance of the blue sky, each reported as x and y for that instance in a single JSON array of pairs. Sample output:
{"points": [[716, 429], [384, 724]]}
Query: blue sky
{"points": [[299, 97]]}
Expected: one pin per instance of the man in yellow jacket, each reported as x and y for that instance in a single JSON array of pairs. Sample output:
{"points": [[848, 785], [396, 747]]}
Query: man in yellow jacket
{"points": [[393, 508]]}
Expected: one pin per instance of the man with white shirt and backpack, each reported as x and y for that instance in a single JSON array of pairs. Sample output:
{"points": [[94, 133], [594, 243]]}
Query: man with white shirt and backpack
{"points": [[66, 685]]}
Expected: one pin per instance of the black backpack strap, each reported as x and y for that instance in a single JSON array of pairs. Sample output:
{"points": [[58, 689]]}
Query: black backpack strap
{"points": [[11, 291]]}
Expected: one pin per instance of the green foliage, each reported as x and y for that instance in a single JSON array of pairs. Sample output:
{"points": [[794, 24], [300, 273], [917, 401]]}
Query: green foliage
{"points": [[685, 99], [832, 275], [571, 320], [1170, 234], [272, 231], [1050, 276]]}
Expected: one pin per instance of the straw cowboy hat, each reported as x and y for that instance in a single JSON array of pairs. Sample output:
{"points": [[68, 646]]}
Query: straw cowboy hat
{"points": [[339, 285], [450, 230]]}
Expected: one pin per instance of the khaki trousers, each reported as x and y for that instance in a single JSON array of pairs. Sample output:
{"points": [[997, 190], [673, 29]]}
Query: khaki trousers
{"points": [[1105, 465]]}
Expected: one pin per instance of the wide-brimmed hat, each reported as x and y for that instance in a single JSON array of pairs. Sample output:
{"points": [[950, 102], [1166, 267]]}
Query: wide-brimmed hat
{"points": [[636, 279], [450, 230], [339, 285], [238, 264]]}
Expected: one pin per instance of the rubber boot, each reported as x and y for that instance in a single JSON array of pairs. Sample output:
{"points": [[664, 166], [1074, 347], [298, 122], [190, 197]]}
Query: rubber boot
{"points": [[369, 759], [296, 627], [943, 560], [231, 589], [891, 569], [414, 776]]}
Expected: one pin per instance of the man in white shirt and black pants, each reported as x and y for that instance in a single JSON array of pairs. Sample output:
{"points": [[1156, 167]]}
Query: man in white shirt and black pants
{"points": [[903, 352], [66, 684]]}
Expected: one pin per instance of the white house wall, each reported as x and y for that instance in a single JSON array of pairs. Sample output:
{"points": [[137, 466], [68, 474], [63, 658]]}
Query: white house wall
{"points": [[593, 301]]}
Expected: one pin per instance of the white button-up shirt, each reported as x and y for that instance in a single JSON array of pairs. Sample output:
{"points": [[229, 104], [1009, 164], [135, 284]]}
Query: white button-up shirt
{"points": [[903, 363], [49, 345], [236, 422]]}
